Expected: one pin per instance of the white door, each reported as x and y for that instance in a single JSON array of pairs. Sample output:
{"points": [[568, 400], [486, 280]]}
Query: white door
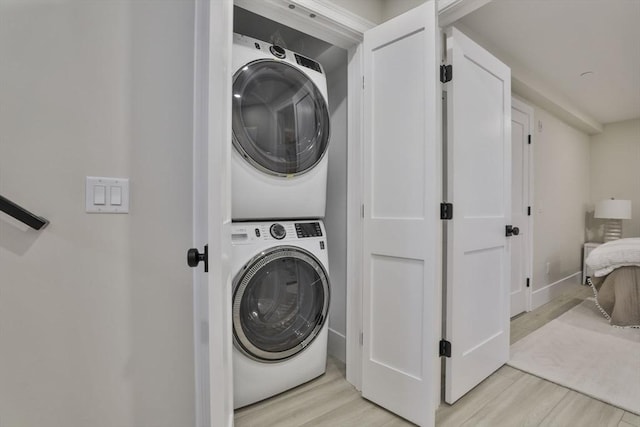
{"points": [[479, 186], [521, 127], [212, 213], [402, 182]]}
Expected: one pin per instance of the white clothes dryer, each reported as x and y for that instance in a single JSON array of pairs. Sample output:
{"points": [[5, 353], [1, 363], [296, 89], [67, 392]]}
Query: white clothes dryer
{"points": [[281, 133], [280, 305]]}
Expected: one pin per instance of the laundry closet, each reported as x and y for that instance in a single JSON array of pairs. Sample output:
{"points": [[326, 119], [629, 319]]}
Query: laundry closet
{"points": [[416, 201], [334, 64], [287, 271]]}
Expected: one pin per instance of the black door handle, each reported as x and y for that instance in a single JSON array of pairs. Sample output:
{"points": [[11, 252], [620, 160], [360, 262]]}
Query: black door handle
{"points": [[194, 257], [512, 231]]}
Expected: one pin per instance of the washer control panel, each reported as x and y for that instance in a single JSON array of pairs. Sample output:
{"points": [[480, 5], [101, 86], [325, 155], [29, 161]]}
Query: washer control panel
{"points": [[308, 229], [284, 231]]}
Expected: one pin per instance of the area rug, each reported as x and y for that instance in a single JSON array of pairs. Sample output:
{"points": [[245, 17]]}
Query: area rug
{"points": [[581, 351]]}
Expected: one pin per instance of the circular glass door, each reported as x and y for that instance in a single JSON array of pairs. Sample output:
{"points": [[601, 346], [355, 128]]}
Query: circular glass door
{"points": [[280, 303], [280, 118]]}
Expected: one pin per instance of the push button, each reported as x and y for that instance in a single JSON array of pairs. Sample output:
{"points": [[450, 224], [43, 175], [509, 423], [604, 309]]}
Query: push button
{"points": [[257, 232]]}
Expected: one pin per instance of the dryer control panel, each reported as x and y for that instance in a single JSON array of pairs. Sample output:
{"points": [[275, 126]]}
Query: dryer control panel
{"points": [[308, 229]]}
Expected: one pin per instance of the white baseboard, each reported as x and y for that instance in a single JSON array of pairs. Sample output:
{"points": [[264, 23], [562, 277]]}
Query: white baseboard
{"points": [[551, 291], [337, 345]]}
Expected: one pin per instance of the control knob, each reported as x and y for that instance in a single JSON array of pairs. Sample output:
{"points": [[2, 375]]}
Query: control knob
{"points": [[278, 51], [277, 231]]}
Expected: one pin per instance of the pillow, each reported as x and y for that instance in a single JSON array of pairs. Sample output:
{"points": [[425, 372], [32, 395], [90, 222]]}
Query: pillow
{"points": [[611, 255]]}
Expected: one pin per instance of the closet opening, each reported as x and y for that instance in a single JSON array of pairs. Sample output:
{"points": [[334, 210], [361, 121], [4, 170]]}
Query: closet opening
{"points": [[334, 64]]}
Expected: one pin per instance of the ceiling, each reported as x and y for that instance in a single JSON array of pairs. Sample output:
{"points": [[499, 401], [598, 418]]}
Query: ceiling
{"points": [[558, 40]]}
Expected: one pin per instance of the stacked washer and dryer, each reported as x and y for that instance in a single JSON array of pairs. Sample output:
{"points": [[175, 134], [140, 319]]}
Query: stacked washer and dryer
{"points": [[281, 287]]}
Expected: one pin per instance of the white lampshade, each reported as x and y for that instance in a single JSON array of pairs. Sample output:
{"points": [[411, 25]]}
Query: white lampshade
{"points": [[613, 209]]}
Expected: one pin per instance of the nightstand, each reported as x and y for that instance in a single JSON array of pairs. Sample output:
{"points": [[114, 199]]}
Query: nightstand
{"points": [[588, 247]]}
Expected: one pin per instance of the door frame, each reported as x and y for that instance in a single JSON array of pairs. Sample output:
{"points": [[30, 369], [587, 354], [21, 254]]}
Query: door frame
{"points": [[212, 213], [527, 109], [345, 29]]}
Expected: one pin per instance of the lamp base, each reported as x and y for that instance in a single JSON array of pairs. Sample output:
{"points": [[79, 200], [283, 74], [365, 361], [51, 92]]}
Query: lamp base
{"points": [[612, 230]]}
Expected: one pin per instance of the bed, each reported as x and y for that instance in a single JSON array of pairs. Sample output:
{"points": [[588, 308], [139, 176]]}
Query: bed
{"points": [[616, 281]]}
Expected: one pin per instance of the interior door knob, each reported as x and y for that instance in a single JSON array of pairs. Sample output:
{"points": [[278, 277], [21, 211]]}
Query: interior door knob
{"points": [[510, 230], [194, 257]]}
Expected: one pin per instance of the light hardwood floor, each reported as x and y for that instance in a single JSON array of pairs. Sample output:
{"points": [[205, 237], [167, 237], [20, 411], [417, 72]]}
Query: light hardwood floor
{"points": [[507, 398]]}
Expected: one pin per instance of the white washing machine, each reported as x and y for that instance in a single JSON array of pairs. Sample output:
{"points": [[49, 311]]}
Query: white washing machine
{"points": [[280, 133], [281, 296]]}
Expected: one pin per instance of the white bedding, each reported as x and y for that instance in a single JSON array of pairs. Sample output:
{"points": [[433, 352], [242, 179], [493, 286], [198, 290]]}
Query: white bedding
{"points": [[611, 255]]}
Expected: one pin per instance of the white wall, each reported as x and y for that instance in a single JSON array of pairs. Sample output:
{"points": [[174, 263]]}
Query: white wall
{"points": [[378, 11], [96, 310], [561, 198], [367, 9], [393, 8], [336, 216], [615, 171]]}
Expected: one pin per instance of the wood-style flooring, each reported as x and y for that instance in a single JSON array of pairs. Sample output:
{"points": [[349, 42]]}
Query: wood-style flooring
{"points": [[507, 398]]}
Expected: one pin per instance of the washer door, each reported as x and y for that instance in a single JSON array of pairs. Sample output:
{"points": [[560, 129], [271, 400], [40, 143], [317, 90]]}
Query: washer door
{"points": [[280, 303], [280, 118]]}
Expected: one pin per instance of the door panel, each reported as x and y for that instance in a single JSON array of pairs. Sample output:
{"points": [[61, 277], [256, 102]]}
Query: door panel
{"points": [[397, 171], [401, 229], [479, 186], [392, 308]]}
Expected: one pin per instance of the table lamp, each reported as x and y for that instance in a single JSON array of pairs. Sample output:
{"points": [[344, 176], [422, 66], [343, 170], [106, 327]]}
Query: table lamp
{"points": [[614, 211]]}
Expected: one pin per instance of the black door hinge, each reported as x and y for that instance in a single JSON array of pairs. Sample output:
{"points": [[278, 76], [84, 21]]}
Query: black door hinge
{"points": [[529, 140], [446, 211], [446, 73], [445, 348], [528, 284], [528, 210]]}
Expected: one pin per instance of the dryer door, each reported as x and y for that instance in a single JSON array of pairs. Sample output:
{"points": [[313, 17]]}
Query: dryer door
{"points": [[280, 303], [280, 118]]}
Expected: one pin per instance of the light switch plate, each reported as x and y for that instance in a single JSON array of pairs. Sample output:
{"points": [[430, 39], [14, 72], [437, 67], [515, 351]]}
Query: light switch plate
{"points": [[110, 187]]}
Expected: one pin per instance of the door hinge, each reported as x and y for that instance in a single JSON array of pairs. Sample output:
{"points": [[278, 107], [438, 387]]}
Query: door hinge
{"points": [[528, 210], [361, 338], [446, 211], [446, 73], [528, 282], [529, 140], [363, 82], [362, 210], [445, 348]]}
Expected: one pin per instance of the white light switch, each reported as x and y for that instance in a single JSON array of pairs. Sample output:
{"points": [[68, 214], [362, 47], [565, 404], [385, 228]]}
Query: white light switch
{"points": [[99, 195], [106, 195], [116, 196]]}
